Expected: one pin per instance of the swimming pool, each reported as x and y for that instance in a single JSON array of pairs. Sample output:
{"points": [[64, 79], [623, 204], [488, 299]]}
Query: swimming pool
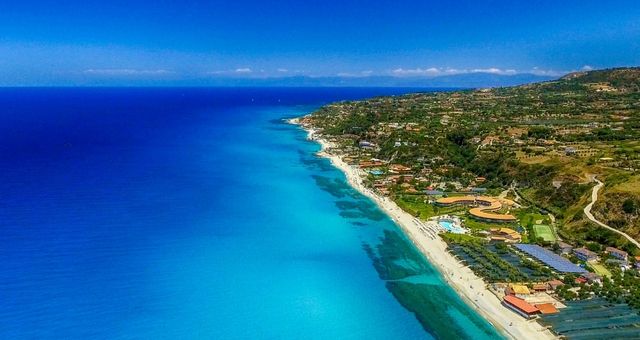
{"points": [[450, 226]]}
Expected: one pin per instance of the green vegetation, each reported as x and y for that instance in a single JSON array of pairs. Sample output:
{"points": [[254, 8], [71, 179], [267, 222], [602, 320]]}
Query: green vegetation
{"points": [[544, 232], [539, 145], [595, 318], [486, 263], [496, 262], [479, 225], [545, 139], [600, 269], [416, 206]]}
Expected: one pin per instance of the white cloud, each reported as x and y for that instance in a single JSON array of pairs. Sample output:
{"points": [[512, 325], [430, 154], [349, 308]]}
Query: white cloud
{"points": [[126, 72], [355, 74], [439, 71], [494, 70], [417, 72], [232, 72], [587, 68], [282, 70], [542, 72]]}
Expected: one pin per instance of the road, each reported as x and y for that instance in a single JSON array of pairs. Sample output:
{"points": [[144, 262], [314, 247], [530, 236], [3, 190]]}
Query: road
{"points": [[587, 211]]}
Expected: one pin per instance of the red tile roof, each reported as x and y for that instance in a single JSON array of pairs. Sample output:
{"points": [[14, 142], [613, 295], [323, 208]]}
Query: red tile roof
{"points": [[520, 304], [555, 283], [547, 308]]}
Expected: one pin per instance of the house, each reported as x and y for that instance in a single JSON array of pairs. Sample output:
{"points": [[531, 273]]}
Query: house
{"points": [[505, 235], [370, 164], [517, 290], [585, 254], [617, 253], [554, 284], [520, 306], [540, 287], [591, 277], [366, 144], [622, 264], [547, 308], [399, 168], [565, 248]]}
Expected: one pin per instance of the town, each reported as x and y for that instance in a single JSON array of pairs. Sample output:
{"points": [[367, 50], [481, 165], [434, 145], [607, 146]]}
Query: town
{"points": [[535, 188]]}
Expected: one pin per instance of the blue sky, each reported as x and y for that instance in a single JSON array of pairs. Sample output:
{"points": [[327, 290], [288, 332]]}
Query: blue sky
{"points": [[186, 42]]}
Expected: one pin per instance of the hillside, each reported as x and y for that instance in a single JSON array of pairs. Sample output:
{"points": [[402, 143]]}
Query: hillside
{"points": [[546, 140]]}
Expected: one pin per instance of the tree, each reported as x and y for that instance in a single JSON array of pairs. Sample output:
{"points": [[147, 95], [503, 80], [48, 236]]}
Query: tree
{"points": [[540, 132], [629, 206]]}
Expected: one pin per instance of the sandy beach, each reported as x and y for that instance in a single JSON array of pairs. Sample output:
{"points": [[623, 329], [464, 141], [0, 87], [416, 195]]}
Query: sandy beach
{"points": [[462, 279]]}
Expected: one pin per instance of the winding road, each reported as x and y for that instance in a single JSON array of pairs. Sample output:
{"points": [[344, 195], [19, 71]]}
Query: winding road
{"points": [[587, 211]]}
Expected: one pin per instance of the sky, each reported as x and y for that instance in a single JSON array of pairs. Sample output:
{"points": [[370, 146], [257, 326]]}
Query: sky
{"points": [[86, 42]]}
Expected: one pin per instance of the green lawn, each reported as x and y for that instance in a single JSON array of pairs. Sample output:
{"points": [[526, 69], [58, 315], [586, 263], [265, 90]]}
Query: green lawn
{"points": [[544, 232], [416, 206], [600, 269], [529, 218], [480, 225]]}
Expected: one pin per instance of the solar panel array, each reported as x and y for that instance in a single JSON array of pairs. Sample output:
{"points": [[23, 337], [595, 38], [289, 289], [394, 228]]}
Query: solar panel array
{"points": [[550, 258]]}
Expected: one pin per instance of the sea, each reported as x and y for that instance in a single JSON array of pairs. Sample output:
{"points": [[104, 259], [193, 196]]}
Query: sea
{"points": [[199, 213]]}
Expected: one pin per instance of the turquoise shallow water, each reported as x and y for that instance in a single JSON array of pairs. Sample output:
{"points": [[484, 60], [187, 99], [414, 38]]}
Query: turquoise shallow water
{"points": [[186, 213]]}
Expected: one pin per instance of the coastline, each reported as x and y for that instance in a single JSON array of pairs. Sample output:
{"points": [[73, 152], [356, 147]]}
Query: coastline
{"points": [[462, 279]]}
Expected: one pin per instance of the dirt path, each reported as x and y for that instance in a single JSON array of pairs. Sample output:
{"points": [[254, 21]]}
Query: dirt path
{"points": [[587, 211]]}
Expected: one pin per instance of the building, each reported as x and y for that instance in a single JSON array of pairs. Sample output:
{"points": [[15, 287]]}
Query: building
{"points": [[554, 284], [366, 144], [520, 306], [505, 235], [517, 290], [547, 308], [484, 207], [591, 277], [622, 264], [617, 253], [540, 287], [370, 164], [565, 248], [585, 254], [399, 168]]}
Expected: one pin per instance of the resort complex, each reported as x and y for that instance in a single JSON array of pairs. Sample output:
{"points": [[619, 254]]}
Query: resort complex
{"points": [[515, 198], [484, 206]]}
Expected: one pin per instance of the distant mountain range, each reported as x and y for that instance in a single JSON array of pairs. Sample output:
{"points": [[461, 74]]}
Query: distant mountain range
{"points": [[467, 80]]}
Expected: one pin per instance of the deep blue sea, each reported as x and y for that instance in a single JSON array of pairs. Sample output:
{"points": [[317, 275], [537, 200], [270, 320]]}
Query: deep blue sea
{"points": [[191, 213]]}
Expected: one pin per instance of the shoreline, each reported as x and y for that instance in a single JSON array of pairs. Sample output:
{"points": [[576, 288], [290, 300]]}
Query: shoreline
{"points": [[471, 288]]}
